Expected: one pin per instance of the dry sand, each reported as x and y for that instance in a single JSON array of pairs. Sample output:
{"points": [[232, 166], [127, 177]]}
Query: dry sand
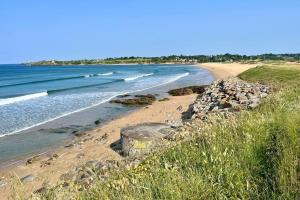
{"points": [[91, 149], [221, 70]]}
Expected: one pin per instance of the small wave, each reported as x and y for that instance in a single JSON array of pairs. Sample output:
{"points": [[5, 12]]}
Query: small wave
{"points": [[164, 83], [106, 74], [58, 79], [84, 86], [136, 77], [42, 81], [21, 98], [61, 116], [95, 75]]}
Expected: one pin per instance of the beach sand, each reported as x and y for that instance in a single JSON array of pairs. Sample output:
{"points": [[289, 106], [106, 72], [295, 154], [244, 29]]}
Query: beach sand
{"points": [[94, 145], [225, 70]]}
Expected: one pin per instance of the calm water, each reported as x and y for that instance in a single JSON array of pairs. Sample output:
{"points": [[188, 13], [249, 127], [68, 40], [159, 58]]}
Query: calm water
{"points": [[33, 97]]}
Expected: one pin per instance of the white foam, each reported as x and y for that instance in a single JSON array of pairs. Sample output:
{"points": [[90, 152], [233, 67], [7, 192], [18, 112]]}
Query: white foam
{"points": [[164, 83], [136, 77], [94, 75], [60, 116], [21, 98], [106, 74]]}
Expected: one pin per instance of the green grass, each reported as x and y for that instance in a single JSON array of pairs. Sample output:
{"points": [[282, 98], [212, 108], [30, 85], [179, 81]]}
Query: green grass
{"points": [[273, 75], [253, 155]]}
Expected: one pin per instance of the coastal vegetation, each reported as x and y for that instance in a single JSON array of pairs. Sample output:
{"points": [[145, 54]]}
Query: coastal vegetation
{"points": [[249, 155], [179, 59]]}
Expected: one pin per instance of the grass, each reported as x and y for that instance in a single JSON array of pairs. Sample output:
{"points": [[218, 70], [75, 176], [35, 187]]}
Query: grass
{"points": [[252, 155]]}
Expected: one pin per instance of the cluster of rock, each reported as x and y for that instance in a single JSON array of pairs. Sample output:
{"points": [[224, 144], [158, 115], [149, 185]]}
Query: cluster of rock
{"points": [[228, 95]]}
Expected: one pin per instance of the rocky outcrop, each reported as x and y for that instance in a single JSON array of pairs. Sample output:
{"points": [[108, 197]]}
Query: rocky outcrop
{"points": [[187, 90], [228, 95], [138, 100]]}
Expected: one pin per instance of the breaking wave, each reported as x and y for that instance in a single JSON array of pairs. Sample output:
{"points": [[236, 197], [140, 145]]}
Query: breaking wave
{"points": [[21, 98], [136, 77]]}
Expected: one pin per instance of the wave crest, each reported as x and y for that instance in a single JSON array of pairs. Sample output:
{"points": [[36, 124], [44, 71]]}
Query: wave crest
{"points": [[136, 77], [21, 98]]}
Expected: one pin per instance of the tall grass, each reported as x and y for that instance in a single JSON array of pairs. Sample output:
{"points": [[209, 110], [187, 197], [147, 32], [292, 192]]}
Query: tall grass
{"points": [[252, 155]]}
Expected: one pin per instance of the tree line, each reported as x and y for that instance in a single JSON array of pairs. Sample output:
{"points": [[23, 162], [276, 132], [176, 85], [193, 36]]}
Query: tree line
{"points": [[177, 59]]}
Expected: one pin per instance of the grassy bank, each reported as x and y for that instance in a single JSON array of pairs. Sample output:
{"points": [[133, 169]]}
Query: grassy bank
{"points": [[253, 155]]}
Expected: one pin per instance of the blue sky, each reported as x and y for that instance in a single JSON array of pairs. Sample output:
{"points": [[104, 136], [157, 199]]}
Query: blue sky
{"points": [[71, 29]]}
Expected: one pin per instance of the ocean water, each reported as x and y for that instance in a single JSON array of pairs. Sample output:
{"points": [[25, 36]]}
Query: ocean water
{"points": [[36, 101]]}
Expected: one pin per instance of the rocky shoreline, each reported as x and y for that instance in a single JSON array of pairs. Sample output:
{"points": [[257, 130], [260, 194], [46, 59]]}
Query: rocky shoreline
{"points": [[222, 96]]}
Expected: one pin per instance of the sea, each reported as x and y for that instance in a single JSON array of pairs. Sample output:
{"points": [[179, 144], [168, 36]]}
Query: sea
{"points": [[42, 106]]}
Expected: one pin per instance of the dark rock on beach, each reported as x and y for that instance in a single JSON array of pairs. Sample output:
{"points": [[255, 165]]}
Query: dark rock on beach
{"points": [[33, 159], [164, 99], [187, 90], [97, 122], [138, 100], [123, 96]]}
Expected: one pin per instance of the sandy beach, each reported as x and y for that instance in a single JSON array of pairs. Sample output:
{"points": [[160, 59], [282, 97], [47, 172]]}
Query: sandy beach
{"points": [[95, 144], [222, 70]]}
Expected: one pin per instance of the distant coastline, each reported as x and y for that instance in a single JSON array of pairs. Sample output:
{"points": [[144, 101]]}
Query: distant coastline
{"points": [[173, 59]]}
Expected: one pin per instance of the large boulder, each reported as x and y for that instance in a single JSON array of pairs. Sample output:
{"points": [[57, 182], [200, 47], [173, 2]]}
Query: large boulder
{"points": [[143, 138]]}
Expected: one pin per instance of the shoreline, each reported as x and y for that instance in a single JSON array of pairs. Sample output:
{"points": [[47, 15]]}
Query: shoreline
{"points": [[96, 144], [91, 149]]}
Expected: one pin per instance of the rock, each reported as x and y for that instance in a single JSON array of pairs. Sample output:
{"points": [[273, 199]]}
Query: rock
{"points": [[69, 145], [97, 122], [69, 176], [174, 123], [187, 90], [103, 138], [179, 108], [143, 138], [79, 134], [181, 92], [123, 96], [164, 99], [3, 182], [45, 163], [55, 156], [226, 96], [41, 190], [28, 178], [33, 160], [138, 100], [91, 163]]}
